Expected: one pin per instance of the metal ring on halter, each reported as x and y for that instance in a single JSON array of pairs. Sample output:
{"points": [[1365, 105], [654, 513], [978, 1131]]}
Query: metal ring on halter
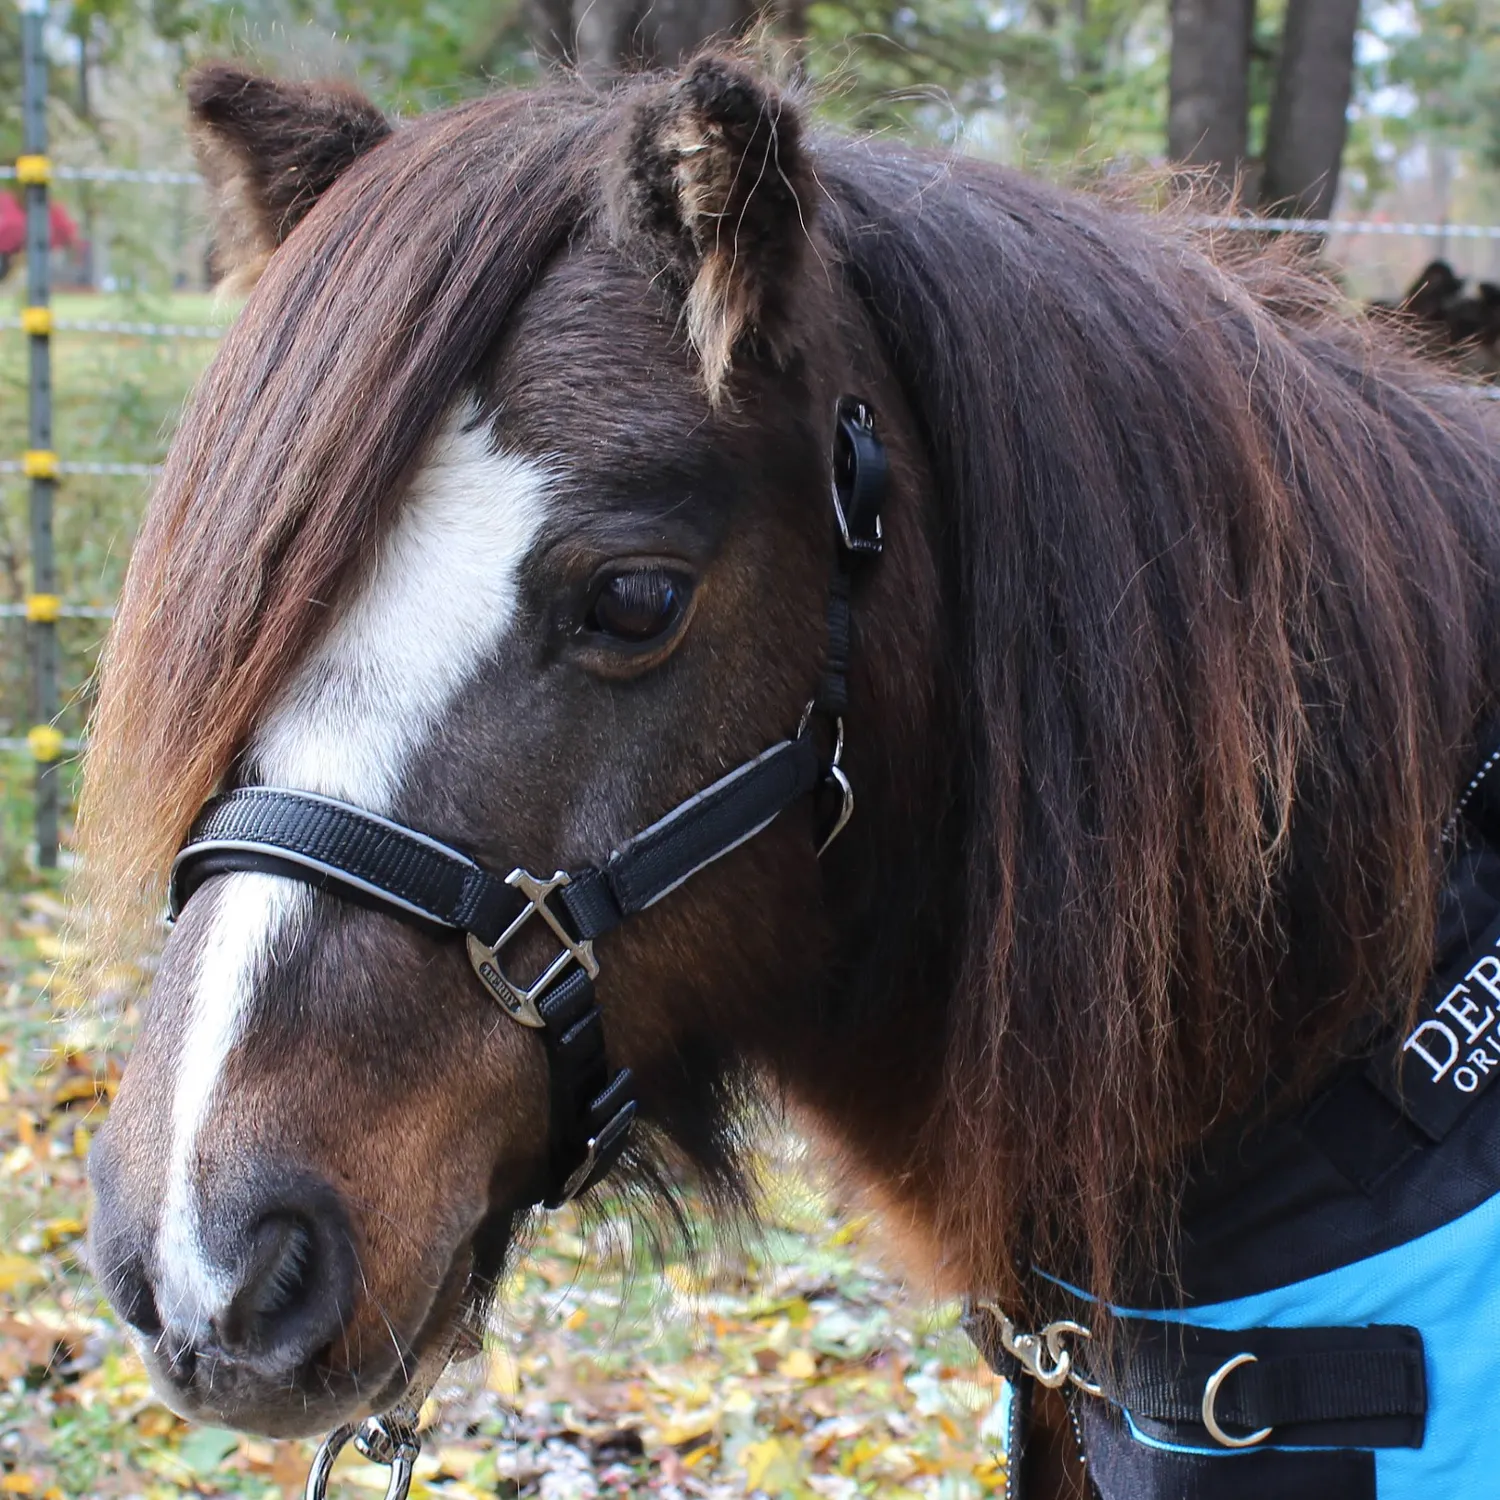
{"points": [[379, 1440], [836, 774]]}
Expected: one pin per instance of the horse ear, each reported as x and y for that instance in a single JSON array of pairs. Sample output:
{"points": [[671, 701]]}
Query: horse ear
{"points": [[269, 149], [711, 187]]}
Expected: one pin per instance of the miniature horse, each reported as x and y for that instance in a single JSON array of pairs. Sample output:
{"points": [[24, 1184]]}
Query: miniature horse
{"points": [[500, 527]]}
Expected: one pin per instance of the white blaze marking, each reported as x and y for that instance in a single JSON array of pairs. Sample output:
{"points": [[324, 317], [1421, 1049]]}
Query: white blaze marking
{"points": [[437, 602]]}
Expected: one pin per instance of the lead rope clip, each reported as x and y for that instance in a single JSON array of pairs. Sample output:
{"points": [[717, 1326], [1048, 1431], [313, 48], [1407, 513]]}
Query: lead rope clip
{"points": [[388, 1440], [1050, 1355]]}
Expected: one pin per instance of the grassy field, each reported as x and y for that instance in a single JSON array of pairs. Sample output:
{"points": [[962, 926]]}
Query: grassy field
{"points": [[788, 1366]]}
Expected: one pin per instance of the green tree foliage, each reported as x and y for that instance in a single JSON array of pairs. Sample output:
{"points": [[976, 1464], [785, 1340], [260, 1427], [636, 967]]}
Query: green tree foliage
{"points": [[1439, 73], [10, 82], [1032, 80], [1039, 79], [411, 53]]}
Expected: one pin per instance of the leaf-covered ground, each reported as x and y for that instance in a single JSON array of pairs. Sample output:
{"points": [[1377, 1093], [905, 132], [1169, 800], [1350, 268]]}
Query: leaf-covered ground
{"points": [[791, 1366]]}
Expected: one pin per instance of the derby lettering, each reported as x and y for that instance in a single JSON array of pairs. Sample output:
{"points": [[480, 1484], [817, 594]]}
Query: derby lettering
{"points": [[1439, 1065], [1487, 973], [1457, 1032], [1464, 1010]]}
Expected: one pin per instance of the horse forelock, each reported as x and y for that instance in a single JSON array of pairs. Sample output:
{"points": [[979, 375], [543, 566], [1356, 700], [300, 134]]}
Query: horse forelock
{"points": [[284, 473]]}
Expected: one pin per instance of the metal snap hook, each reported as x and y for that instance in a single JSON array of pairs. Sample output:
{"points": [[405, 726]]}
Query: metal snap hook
{"points": [[1066, 1328], [379, 1439], [1210, 1399]]}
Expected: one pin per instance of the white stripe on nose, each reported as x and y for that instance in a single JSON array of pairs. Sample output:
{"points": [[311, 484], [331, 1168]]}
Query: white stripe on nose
{"points": [[255, 916], [442, 594]]}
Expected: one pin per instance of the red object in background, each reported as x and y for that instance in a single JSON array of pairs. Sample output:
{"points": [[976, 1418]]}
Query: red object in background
{"points": [[13, 226]]}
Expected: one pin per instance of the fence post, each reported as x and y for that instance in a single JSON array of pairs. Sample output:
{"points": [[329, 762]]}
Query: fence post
{"points": [[34, 172]]}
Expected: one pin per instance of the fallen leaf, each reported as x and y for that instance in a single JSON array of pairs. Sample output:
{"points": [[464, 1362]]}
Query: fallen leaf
{"points": [[19, 1270], [205, 1448], [503, 1377], [773, 1466], [58, 1231], [81, 1086], [688, 1427]]}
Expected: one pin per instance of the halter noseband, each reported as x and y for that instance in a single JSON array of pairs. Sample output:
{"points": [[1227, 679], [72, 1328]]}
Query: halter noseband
{"points": [[373, 861]]}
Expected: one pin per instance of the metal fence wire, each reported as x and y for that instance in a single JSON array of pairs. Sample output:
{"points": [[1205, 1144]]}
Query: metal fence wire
{"points": [[41, 467]]}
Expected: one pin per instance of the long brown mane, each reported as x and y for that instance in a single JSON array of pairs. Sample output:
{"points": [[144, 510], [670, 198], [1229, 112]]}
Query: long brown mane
{"points": [[1219, 587], [1225, 583]]}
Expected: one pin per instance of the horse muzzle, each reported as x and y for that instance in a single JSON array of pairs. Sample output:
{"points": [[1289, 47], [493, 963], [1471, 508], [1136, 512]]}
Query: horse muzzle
{"points": [[246, 1303]]}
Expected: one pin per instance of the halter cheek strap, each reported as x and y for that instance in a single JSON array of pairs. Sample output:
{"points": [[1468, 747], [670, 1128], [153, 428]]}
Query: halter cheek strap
{"points": [[371, 860]]}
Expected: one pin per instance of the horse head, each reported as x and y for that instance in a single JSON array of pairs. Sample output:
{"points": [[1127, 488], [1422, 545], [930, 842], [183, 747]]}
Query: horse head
{"points": [[579, 572], [503, 526]]}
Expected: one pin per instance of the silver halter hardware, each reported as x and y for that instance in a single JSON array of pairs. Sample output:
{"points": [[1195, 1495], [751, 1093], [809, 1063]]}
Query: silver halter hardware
{"points": [[836, 774], [519, 1001], [386, 1440], [1046, 1355], [1210, 1401]]}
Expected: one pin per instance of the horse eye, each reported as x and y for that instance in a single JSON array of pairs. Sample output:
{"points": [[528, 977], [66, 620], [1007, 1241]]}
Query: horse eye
{"points": [[638, 606]]}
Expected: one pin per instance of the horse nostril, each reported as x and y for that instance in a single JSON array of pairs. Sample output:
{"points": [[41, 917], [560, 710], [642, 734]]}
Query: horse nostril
{"points": [[286, 1259], [179, 1359], [130, 1292], [294, 1287], [278, 1280]]}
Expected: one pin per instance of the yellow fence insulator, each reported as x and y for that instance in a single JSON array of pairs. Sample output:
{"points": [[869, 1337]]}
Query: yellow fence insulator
{"points": [[33, 171], [37, 321], [43, 609], [39, 463], [46, 742]]}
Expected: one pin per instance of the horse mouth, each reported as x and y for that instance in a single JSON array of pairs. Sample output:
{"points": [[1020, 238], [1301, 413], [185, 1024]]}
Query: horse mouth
{"points": [[329, 1387], [451, 1330]]}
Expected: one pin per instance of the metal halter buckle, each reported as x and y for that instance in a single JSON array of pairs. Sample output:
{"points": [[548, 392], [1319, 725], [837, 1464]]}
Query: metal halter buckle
{"points": [[841, 781], [858, 417], [519, 1001], [382, 1440], [601, 1145], [1045, 1354]]}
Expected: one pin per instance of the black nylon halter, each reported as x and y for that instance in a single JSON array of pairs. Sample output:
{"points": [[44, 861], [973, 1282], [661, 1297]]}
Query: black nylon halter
{"points": [[374, 861]]}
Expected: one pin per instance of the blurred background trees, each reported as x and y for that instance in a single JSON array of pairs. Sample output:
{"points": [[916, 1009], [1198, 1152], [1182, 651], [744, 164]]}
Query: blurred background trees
{"points": [[1301, 104]]}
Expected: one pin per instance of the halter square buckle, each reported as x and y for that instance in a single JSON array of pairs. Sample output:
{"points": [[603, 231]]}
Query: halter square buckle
{"points": [[519, 1001]]}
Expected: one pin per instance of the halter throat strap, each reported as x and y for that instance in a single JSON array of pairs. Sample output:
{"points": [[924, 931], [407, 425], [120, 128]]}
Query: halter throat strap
{"points": [[376, 862]]}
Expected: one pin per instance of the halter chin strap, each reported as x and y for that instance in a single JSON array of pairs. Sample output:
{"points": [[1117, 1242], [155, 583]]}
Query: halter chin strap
{"points": [[375, 862]]}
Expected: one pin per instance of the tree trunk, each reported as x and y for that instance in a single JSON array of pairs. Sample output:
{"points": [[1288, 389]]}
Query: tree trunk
{"points": [[1309, 111], [1209, 84]]}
